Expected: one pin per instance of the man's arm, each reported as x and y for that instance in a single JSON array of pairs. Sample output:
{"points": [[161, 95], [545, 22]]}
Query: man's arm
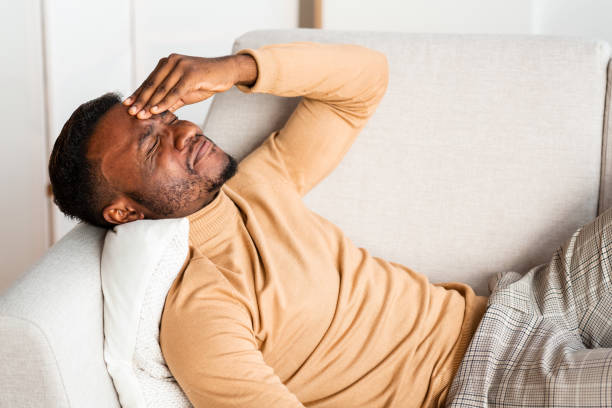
{"points": [[342, 85], [180, 80]]}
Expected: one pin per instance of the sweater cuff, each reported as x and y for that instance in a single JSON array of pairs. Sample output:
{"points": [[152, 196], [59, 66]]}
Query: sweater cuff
{"points": [[267, 72]]}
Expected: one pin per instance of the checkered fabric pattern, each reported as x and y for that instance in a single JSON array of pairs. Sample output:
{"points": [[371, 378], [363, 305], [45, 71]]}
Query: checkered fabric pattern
{"points": [[546, 337]]}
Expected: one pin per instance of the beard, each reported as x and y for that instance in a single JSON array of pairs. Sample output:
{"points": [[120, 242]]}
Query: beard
{"points": [[175, 197], [214, 184]]}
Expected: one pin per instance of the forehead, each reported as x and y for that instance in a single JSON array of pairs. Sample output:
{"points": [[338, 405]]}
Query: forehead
{"points": [[116, 131]]}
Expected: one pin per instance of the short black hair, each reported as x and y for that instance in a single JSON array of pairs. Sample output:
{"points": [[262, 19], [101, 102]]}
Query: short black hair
{"points": [[79, 190]]}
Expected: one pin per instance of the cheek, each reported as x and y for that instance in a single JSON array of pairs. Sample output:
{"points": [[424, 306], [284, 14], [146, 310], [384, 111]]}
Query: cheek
{"points": [[169, 172], [169, 164], [122, 172]]}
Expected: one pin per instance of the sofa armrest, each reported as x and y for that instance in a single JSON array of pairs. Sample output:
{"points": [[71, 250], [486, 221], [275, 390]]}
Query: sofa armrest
{"points": [[51, 329]]}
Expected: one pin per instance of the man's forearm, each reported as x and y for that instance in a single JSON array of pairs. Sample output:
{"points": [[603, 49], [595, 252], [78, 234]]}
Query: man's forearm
{"points": [[179, 80]]}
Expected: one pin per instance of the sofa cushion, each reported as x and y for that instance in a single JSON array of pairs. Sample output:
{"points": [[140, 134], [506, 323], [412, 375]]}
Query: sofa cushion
{"points": [[140, 260]]}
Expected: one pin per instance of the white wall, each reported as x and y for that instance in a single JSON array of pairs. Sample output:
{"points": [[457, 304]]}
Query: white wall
{"points": [[24, 235], [582, 18], [434, 16]]}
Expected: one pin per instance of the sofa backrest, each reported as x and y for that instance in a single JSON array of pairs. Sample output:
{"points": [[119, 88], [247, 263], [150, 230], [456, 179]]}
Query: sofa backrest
{"points": [[484, 155]]}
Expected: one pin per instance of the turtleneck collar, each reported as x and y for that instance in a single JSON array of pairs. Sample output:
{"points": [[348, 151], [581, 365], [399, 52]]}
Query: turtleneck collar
{"points": [[211, 219]]}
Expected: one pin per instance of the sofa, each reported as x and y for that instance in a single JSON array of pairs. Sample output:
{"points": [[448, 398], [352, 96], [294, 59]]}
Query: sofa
{"points": [[485, 155]]}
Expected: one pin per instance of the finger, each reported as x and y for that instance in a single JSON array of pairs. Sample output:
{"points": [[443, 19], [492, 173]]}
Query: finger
{"points": [[130, 99], [164, 66], [175, 94], [167, 87], [176, 105]]}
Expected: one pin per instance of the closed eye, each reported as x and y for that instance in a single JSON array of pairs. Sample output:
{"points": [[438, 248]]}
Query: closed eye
{"points": [[153, 147]]}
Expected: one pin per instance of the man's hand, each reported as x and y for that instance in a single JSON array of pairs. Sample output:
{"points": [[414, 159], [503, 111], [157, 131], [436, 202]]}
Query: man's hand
{"points": [[182, 80]]}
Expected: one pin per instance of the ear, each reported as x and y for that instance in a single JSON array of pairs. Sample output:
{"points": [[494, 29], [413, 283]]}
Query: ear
{"points": [[122, 210]]}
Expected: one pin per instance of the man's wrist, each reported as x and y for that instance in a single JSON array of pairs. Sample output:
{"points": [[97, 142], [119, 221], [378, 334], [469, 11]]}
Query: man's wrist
{"points": [[246, 70]]}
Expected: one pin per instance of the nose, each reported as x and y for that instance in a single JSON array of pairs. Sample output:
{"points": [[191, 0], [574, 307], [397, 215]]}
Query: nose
{"points": [[183, 136]]}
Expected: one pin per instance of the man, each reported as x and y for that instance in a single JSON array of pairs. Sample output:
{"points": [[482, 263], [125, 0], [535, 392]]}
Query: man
{"points": [[276, 306]]}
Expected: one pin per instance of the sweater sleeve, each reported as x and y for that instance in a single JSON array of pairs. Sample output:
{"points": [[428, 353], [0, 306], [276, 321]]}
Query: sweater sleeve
{"points": [[341, 85], [207, 340]]}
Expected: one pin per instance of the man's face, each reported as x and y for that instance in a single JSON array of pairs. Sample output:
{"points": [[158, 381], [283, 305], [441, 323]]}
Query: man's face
{"points": [[160, 167]]}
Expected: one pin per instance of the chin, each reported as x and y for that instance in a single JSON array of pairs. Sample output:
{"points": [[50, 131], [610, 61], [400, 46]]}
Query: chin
{"points": [[225, 166]]}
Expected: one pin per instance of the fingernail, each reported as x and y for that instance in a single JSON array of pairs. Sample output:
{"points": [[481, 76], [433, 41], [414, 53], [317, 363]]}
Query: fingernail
{"points": [[127, 101], [142, 114], [132, 110], [154, 108]]}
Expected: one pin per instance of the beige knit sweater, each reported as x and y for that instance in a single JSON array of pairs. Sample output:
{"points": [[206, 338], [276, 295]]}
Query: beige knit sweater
{"points": [[277, 307]]}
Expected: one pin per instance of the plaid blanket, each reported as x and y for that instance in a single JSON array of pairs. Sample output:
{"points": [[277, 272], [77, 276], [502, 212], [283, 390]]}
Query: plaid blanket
{"points": [[546, 337]]}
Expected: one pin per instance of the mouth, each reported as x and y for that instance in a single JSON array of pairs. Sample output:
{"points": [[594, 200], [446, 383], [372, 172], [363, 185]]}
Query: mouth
{"points": [[200, 150]]}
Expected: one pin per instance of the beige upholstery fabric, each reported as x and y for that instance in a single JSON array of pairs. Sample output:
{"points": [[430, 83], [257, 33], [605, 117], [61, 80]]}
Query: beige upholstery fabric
{"points": [[484, 155], [32, 362], [51, 330]]}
